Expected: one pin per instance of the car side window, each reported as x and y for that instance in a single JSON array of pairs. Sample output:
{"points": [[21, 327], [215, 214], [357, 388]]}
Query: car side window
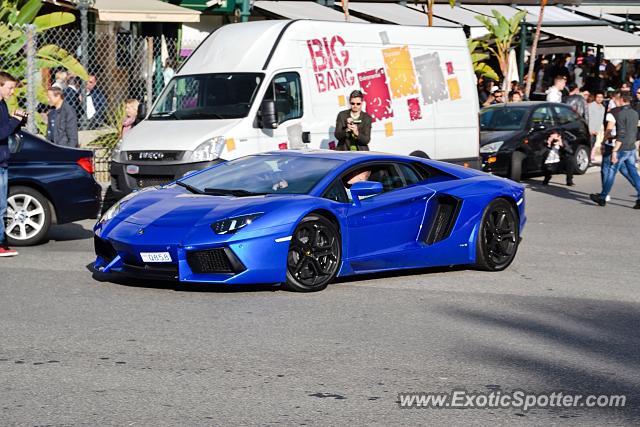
{"points": [[565, 115], [542, 116], [337, 193], [411, 177], [286, 90]]}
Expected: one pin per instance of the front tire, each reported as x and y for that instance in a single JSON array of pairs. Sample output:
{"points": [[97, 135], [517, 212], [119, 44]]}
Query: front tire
{"points": [[498, 236], [314, 255], [28, 216]]}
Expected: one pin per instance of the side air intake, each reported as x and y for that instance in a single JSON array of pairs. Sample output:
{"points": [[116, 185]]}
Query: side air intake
{"points": [[442, 217]]}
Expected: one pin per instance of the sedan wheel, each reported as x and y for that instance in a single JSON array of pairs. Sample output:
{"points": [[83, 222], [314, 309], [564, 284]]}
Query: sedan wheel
{"points": [[582, 160], [314, 255], [498, 237], [28, 216]]}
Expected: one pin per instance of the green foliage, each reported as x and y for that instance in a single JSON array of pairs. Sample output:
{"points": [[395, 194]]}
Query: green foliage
{"points": [[109, 140], [502, 31], [477, 59]]}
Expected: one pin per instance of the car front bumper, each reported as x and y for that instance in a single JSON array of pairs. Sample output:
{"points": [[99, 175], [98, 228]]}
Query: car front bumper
{"points": [[224, 259]]}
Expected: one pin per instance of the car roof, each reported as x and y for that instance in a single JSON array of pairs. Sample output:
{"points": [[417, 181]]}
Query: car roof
{"points": [[525, 104], [340, 155]]}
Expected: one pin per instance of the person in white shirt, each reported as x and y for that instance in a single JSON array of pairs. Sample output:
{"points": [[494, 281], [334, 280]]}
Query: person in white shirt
{"points": [[554, 94]]}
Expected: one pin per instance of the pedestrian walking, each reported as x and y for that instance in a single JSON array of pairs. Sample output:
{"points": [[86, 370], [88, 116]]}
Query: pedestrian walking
{"points": [[96, 103], [623, 155], [595, 120], [72, 96], [62, 125], [353, 126], [9, 125]]}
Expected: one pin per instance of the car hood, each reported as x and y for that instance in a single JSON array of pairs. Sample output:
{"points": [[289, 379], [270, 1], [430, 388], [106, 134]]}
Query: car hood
{"points": [[489, 136], [183, 135]]}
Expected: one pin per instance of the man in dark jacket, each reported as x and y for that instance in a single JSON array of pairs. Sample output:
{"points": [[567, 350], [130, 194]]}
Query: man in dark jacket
{"points": [[576, 101], [623, 153], [353, 126], [62, 125], [9, 125]]}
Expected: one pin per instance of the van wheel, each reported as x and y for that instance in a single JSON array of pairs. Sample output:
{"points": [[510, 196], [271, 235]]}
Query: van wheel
{"points": [[420, 154], [515, 171], [28, 216], [581, 158]]}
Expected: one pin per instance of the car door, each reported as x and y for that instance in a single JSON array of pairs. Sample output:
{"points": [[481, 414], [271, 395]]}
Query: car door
{"points": [[541, 123], [285, 88], [388, 222]]}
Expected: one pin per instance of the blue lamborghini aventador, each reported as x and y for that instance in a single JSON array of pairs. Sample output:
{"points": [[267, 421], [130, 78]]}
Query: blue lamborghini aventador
{"points": [[301, 218]]}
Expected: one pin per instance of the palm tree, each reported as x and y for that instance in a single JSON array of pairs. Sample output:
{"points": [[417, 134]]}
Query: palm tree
{"points": [[502, 31], [534, 48]]}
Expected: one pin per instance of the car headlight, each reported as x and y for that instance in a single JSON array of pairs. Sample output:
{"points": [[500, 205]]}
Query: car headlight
{"points": [[117, 207], [231, 225], [491, 148], [209, 150], [117, 155]]}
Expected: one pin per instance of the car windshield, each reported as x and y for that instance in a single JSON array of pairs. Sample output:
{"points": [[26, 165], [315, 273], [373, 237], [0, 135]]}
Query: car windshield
{"points": [[207, 96], [502, 118], [261, 174]]}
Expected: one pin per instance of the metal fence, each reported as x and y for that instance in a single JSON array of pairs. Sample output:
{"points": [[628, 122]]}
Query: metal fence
{"points": [[125, 67]]}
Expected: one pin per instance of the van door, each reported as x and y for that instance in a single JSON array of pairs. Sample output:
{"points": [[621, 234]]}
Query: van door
{"points": [[286, 90]]}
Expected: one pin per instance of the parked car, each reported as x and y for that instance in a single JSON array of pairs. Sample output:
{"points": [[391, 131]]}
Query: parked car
{"points": [[513, 137], [302, 218], [48, 184]]}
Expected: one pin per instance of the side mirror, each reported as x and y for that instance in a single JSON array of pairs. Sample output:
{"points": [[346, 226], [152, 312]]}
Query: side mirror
{"points": [[15, 143], [538, 127], [363, 189], [269, 114], [142, 110]]}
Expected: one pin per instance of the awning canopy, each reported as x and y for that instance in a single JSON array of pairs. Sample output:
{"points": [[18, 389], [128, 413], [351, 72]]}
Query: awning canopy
{"points": [[143, 11], [457, 15], [302, 10], [618, 9], [596, 13], [397, 14]]}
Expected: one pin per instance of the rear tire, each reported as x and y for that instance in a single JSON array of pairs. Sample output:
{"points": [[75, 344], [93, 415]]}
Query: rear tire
{"points": [[517, 161], [498, 236], [581, 158], [28, 216], [314, 255]]}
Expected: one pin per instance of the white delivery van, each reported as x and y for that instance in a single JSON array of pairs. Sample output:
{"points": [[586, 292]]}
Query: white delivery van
{"points": [[418, 86]]}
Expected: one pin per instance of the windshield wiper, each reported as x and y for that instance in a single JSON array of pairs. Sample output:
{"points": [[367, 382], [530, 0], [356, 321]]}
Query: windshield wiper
{"points": [[225, 192], [189, 187], [164, 114]]}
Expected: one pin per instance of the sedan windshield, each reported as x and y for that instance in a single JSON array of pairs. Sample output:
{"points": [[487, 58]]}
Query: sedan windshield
{"points": [[503, 118], [261, 174], [207, 96]]}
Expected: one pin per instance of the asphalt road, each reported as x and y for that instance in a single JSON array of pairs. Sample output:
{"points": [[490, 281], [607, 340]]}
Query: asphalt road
{"points": [[564, 317]]}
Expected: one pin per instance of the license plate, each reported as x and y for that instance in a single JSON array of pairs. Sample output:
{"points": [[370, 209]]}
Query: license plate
{"points": [[155, 256]]}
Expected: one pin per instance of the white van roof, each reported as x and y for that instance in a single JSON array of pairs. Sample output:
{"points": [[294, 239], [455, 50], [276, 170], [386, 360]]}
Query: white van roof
{"points": [[249, 46]]}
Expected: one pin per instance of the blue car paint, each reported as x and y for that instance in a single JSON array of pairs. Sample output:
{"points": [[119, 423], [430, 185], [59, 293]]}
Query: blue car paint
{"points": [[53, 171], [381, 234]]}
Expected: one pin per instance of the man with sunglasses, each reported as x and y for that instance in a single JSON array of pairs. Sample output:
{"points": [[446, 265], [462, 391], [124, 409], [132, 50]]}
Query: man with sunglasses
{"points": [[353, 126]]}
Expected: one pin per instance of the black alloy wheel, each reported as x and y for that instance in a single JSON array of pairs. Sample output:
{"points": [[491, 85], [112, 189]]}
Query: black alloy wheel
{"points": [[498, 237], [314, 255]]}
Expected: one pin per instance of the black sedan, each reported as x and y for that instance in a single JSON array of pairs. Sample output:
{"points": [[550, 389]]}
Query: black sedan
{"points": [[48, 184], [513, 137]]}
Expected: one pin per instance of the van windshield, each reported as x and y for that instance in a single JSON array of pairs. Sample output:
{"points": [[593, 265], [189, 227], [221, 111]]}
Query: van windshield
{"points": [[207, 96]]}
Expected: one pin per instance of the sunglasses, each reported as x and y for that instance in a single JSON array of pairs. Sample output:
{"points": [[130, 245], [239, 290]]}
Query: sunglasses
{"points": [[356, 103]]}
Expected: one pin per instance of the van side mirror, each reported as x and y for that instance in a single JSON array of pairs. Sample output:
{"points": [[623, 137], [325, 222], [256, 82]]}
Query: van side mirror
{"points": [[269, 114], [142, 110]]}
